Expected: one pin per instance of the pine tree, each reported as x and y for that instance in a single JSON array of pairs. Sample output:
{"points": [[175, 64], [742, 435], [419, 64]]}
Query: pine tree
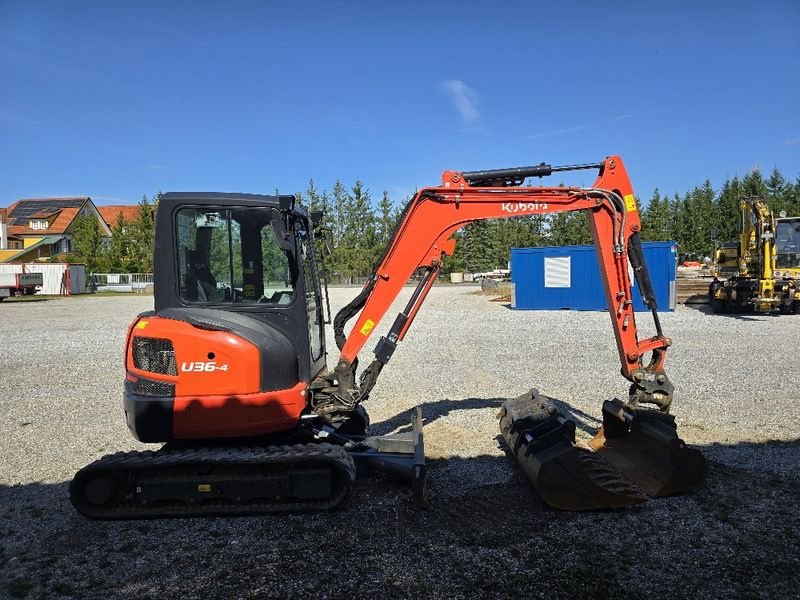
{"points": [[387, 219], [361, 230], [87, 242], [700, 220], [793, 201], [729, 215], [478, 248], [678, 223], [118, 257], [143, 235], [779, 192], [655, 219], [753, 184], [316, 200], [570, 228], [338, 206]]}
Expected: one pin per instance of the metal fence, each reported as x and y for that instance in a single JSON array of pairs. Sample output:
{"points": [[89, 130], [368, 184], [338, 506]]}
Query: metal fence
{"points": [[122, 282]]}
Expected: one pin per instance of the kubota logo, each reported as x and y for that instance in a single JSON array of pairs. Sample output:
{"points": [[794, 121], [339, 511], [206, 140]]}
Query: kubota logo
{"points": [[523, 207]]}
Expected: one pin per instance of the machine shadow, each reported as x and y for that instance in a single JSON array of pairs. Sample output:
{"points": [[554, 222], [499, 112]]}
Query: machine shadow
{"points": [[706, 310], [433, 411]]}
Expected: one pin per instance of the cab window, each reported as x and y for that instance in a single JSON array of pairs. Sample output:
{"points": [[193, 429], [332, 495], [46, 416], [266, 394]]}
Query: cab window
{"points": [[232, 256]]}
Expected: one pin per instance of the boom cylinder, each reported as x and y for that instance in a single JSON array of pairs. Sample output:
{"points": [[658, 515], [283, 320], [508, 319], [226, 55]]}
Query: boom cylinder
{"points": [[521, 173]]}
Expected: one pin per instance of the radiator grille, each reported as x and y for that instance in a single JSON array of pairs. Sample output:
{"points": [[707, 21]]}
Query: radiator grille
{"points": [[155, 355], [148, 387]]}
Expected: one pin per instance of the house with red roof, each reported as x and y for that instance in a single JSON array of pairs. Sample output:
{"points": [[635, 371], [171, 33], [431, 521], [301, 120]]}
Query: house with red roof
{"points": [[110, 214], [35, 229]]}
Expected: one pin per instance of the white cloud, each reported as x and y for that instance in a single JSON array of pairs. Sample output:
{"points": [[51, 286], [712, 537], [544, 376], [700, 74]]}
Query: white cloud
{"points": [[465, 100], [587, 126], [792, 142]]}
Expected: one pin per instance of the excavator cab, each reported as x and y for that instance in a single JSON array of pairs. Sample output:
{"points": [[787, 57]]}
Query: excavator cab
{"points": [[238, 316], [224, 371]]}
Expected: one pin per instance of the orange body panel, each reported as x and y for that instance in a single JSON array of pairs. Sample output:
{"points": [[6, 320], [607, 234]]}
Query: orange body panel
{"points": [[217, 388], [239, 415], [208, 362]]}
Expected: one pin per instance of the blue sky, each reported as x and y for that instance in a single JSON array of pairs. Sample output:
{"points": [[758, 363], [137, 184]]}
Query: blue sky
{"points": [[116, 100]]}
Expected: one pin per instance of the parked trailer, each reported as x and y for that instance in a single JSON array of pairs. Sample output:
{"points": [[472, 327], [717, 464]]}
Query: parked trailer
{"points": [[12, 284], [59, 279]]}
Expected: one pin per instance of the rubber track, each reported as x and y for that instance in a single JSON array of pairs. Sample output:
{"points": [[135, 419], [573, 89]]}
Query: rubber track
{"points": [[126, 465]]}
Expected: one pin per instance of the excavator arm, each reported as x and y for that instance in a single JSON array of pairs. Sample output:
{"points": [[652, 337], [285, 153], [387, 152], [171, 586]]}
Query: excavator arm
{"points": [[757, 246], [423, 238], [636, 453]]}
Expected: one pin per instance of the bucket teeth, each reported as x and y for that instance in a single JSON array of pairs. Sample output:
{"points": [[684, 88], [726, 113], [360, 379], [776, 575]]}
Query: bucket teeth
{"points": [[625, 463]]}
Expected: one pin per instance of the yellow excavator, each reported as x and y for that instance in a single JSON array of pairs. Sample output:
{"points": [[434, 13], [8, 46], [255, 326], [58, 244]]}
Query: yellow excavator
{"points": [[787, 247], [754, 282]]}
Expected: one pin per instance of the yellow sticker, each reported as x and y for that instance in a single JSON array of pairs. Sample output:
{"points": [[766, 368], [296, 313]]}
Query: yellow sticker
{"points": [[141, 325], [204, 488], [630, 203], [367, 327]]}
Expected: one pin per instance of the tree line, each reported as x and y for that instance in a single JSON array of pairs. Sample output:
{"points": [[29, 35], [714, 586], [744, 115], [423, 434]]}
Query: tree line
{"points": [[696, 220], [361, 226]]}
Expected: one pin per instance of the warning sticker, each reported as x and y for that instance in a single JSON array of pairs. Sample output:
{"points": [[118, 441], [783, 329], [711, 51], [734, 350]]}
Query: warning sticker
{"points": [[367, 327], [630, 203]]}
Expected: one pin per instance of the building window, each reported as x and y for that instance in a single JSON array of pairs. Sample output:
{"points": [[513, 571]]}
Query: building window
{"points": [[39, 224]]}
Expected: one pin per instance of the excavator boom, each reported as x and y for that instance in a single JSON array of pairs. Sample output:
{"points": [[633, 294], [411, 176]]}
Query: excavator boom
{"points": [[422, 240]]}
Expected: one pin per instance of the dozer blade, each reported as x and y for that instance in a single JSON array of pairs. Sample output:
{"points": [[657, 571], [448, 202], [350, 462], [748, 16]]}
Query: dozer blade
{"points": [[398, 454], [626, 462]]}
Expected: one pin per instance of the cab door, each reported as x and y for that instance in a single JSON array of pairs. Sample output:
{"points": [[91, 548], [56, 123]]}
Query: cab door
{"points": [[313, 298]]}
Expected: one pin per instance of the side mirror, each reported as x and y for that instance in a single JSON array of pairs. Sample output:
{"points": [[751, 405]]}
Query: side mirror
{"points": [[285, 242], [286, 203]]}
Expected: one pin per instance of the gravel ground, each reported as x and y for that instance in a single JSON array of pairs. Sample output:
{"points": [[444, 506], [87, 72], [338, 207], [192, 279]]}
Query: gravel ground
{"points": [[487, 533]]}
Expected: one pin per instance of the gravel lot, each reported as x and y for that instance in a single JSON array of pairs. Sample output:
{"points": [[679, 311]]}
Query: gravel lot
{"points": [[487, 534]]}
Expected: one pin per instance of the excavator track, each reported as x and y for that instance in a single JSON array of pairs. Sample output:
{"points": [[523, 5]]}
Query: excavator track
{"points": [[206, 481]]}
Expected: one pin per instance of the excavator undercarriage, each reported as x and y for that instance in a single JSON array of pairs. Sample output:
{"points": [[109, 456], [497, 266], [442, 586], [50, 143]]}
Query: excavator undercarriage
{"points": [[247, 479], [229, 371]]}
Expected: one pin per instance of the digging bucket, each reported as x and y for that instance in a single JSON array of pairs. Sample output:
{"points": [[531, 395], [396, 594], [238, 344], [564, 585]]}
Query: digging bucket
{"points": [[635, 455]]}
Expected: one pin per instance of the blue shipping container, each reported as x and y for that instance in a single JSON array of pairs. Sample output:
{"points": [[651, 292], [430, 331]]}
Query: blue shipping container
{"points": [[568, 277]]}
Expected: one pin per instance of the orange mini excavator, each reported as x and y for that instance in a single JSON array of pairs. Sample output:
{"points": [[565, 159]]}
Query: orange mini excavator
{"points": [[230, 370]]}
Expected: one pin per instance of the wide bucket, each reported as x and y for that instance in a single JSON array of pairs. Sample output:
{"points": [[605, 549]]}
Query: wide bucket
{"points": [[635, 455]]}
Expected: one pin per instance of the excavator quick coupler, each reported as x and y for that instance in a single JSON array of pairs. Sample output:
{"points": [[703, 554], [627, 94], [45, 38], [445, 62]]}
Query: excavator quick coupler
{"points": [[635, 454]]}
